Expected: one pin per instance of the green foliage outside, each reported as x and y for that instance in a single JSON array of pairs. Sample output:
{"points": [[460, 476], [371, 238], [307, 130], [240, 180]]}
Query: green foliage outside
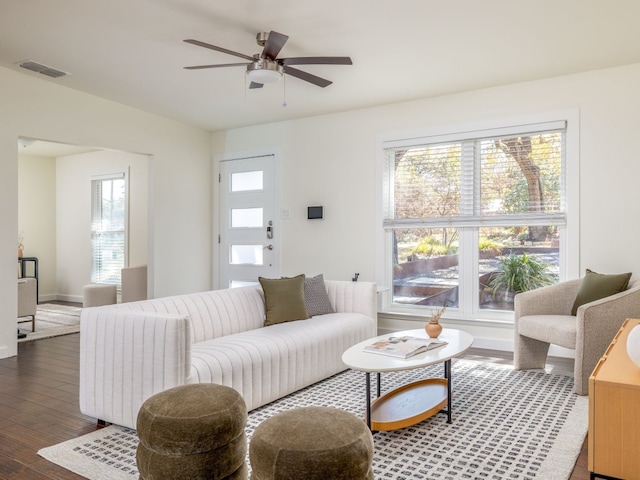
{"points": [[487, 245], [430, 247], [520, 273]]}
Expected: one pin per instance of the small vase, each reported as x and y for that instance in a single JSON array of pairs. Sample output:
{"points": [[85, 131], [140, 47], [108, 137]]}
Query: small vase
{"points": [[20, 251], [433, 329]]}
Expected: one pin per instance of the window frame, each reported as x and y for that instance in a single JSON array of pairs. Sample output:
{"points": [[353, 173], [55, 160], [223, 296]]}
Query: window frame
{"points": [[101, 178], [468, 309]]}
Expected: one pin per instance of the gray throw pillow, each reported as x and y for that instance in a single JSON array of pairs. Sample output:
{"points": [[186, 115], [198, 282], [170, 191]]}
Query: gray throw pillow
{"points": [[315, 296]]}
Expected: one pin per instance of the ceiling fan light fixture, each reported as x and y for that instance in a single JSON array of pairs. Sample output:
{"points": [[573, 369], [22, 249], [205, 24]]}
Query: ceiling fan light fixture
{"points": [[264, 71]]}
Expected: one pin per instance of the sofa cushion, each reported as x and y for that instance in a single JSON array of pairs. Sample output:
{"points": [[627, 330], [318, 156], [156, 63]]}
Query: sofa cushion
{"points": [[595, 286], [557, 329], [315, 296], [284, 299], [268, 363]]}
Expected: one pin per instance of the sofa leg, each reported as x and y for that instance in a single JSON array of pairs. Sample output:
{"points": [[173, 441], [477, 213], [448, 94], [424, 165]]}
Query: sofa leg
{"points": [[529, 353], [101, 424]]}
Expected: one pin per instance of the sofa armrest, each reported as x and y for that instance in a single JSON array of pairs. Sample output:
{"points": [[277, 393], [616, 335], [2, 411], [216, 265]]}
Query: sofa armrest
{"points": [[555, 299], [353, 297], [128, 356]]}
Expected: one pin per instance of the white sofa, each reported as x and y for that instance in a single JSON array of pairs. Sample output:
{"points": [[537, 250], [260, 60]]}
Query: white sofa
{"points": [[131, 351]]}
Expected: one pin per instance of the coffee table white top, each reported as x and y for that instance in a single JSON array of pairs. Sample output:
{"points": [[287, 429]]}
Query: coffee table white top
{"points": [[358, 359]]}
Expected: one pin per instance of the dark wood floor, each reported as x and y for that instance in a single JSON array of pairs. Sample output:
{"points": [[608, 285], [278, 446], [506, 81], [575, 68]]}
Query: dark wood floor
{"points": [[39, 407]]}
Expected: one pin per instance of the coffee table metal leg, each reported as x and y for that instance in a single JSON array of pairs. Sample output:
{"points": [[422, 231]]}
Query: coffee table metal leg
{"points": [[378, 391], [368, 402], [447, 375]]}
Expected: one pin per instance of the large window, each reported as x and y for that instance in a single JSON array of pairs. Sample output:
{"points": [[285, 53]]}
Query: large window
{"points": [[108, 228], [475, 217]]}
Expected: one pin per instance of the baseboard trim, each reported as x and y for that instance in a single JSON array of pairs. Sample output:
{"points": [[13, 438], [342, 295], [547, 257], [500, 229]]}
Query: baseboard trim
{"points": [[67, 298]]}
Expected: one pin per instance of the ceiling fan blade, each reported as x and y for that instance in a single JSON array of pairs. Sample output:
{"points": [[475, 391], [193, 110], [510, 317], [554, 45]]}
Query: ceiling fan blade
{"points": [[255, 85], [316, 61], [199, 67], [218, 49], [274, 44], [307, 77]]}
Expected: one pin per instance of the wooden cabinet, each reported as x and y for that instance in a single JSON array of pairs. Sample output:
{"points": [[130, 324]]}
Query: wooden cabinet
{"points": [[614, 411]]}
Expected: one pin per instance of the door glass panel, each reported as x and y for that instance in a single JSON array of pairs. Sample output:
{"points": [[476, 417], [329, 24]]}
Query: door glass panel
{"points": [[246, 217], [243, 181], [246, 255]]}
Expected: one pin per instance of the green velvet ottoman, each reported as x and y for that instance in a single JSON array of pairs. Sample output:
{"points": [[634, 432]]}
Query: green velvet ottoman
{"points": [[193, 431], [312, 443]]}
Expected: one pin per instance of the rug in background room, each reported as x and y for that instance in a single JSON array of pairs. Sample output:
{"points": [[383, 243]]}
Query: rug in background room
{"points": [[52, 320], [507, 424]]}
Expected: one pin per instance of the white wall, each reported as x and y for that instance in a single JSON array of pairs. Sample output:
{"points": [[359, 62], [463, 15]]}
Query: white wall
{"points": [[37, 217], [74, 174], [331, 160], [179, 185], [54, 210]]}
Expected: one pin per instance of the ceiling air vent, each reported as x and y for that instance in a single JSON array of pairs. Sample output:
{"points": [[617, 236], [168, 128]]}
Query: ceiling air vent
{"points": [[43, 69]]}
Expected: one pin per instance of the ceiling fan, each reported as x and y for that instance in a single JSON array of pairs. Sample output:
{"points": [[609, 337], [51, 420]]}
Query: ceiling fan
{"points": [[266, 67]]}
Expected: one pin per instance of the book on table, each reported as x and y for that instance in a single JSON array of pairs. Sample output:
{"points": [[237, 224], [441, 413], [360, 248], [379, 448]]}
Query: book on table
{"points": [[404, 347]]}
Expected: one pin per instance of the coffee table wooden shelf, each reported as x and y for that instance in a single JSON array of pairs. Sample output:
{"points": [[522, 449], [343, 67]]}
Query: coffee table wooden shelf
{"points": [[414, 402], [409, 404]]}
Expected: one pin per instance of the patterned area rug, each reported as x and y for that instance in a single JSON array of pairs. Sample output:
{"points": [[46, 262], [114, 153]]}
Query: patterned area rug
{"points": [[506, 425], [52, 320]]}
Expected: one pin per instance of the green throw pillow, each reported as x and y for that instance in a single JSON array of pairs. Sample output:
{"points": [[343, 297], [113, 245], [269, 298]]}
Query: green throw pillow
{"points": [[284, 299], [595, 286]]}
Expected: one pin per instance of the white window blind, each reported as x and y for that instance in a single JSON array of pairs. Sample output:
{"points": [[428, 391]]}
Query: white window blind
{"points": [[108, 228], [487, 178]]}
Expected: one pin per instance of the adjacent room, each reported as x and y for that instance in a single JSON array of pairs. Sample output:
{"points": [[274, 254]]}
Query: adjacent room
{"points": [[404, 228]]}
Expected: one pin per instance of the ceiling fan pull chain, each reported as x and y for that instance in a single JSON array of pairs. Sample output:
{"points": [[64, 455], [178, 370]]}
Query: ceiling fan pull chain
{"points": [[284, 92]]}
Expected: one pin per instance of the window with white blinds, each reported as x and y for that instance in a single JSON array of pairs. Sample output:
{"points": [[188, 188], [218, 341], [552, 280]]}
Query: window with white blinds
{"points": [[108, 228], [479, 180], [455, 205]]}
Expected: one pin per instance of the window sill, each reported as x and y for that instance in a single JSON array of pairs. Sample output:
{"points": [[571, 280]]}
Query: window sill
{"points": [[493, 319]]}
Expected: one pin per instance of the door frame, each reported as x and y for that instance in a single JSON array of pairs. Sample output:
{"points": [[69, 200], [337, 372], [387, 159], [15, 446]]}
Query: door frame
{"points": [[215, 206]]}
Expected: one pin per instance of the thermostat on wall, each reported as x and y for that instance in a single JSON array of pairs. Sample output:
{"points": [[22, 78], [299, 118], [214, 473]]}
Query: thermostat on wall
{"points": [[315, 213]]}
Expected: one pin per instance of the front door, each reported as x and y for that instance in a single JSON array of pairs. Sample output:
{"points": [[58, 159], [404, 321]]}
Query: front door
{"points": [[249, 232]]}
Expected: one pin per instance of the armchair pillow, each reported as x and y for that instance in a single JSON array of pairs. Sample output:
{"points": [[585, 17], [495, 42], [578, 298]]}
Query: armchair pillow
{"points": [[284, 299], [595, 286]]}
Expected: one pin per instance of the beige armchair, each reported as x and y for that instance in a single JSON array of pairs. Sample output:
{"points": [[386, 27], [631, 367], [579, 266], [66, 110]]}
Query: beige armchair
{"points": [[543, 317], [134, 284], [27, 302]]}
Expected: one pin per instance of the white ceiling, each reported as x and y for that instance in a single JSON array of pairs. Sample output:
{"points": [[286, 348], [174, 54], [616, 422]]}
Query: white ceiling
{"points": [[132, 51]]}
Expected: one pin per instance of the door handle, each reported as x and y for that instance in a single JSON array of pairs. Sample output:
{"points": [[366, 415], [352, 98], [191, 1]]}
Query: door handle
{"points": [[268, 247], [270, 229]]}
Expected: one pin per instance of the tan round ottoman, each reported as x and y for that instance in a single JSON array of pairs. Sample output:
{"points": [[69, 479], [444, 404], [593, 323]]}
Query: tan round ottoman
{"points": [[193, 431], [311, 443], [97, 294]]}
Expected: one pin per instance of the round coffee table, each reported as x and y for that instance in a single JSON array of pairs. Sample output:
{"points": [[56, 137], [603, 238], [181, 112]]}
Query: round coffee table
{"points": [[414, 402]]}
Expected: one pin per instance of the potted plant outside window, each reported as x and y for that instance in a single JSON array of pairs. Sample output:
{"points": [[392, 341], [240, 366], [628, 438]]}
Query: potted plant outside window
{"points": [[520, 273]]}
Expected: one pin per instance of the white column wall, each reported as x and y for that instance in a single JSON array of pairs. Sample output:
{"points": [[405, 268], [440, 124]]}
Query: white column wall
{"points": [[179, 180]]}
